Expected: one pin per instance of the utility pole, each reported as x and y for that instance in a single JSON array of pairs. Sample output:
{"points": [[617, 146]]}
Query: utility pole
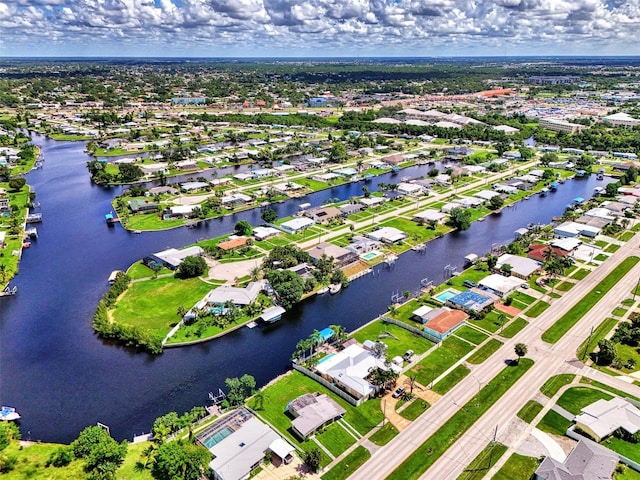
{"points": [[586, 347], [493, 443]]}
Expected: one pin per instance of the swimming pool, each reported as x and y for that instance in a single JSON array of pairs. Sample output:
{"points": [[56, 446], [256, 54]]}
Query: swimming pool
{"points": [[325, 358], [217, 437], [370, 255], [442, 297]]}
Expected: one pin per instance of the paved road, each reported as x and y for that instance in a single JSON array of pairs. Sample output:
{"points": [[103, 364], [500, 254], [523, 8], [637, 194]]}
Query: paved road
{"points": [[548, 358]]}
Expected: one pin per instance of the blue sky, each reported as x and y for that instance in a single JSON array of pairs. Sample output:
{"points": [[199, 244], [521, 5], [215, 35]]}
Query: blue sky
{"points": [[228, 28]]}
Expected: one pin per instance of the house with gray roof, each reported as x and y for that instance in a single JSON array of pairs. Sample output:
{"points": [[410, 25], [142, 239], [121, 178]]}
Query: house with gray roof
{"points": [[237, 295], [313, 411], [587, 461]]}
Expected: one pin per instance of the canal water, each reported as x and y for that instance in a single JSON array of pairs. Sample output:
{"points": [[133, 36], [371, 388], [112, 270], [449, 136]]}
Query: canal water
{"points": [[62, 378]]}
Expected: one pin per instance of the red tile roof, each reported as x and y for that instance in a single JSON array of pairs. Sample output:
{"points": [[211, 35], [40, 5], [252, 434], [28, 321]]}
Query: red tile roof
{"points": [[446, 321]]}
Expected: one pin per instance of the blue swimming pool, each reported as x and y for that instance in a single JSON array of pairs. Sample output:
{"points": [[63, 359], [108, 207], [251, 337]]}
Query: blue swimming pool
{"points": [[325, 358], [370, 255], [217, 437], [446, 295]]}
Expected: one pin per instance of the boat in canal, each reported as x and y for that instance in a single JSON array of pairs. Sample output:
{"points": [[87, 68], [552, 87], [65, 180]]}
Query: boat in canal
{"points": [[335, 288], [9, 414], [322, 291]]}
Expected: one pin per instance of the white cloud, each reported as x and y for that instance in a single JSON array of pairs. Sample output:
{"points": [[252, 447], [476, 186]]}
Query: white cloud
{"points": [[321, 27]]}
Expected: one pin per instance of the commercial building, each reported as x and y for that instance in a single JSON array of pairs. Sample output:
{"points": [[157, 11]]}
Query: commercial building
{"points": [[558, 125]]}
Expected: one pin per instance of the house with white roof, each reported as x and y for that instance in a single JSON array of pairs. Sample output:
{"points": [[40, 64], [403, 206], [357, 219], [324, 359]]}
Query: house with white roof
{"points": [[429, 215], [603, 417], [413, 189], [349, 369], [521, 267], [296, 225], [387, 235], [499, 284]]}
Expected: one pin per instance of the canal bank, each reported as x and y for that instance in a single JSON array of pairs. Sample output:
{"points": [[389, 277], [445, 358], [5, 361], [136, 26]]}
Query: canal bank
{"points": [[62, 378]]}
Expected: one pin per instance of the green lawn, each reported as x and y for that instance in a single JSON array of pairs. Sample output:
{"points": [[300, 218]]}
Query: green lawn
{"points": [[518, 467], [564, 286], [523, 298], [627, 474], [529, 411], [335, 439], [537, 308], [628, 449], [151, 305], [348, 464], [569, 319], [619, 311], [612, 248], [590, 344], [451, 379], [555, 383], [139, 270], [554, 423], [397, 339], [471, 334], [580, 273], [415, 409], [492, 321], [576, 398], [384, 435], [434, 447], [603, 386], [478, 468], [514, 327], [439, 360], [484, 352]]}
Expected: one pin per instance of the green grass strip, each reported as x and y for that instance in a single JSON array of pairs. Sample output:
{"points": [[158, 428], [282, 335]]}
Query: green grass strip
{"points": [[518, 467], [348, 464], [415, 409], [591, 342], [569, 319], [384, 435], [529, 411], [480, 465], [427, 453], [615, 391], [485, 351], [555, 383], [537, 309], [451, 379], [514, 327]]}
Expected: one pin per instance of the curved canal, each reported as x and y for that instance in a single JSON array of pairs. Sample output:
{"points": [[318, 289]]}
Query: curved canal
{"points": [[62, 378]]}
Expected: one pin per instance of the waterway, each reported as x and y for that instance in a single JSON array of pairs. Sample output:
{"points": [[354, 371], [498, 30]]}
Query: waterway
{"points": [[61, 377]]}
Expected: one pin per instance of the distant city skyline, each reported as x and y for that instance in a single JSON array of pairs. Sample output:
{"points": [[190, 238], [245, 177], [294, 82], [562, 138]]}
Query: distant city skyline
{"points": [[318, 28]]}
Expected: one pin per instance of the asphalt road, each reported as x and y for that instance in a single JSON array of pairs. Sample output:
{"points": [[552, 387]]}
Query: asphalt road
{"points": [[548, 360]]}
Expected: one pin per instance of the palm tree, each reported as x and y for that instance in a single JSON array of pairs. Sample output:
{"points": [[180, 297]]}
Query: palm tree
{"points": [[410, 381], [340, 334], [255, 273], [521, 350], [259, 399]]}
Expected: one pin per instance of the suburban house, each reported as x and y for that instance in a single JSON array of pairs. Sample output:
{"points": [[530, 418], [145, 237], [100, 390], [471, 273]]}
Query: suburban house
{"points": [[499, 284], [486, 194], [323, 214], [473, 300], [540, 252], [194, 186], [313, 411], [264, 233], [349, 368], [413, 189], [187, 165], [372, 201], [172, 258], [239, 296], [521, 267], [179, 211], [232, 244], [238, 453], [603, 417], [444, 321], [429, 215], [162, 190], [360, 245], [574, 229], [587, 461], [137, 205], [151, 169], [387, 235], [350, 208], [341, 255], [4, 205], [296, 225], [235, 200]]}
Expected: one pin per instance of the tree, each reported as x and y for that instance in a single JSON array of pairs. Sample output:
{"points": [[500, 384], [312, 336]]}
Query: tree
{"points": [[128, 172], [269, 215], [191, 267], [288, 285], [102, 454], [243, 228], [16, 183], [312, 458], [8, 431], [606, 352], [460, 218], [240, 389], [496, 203], [180, 461], [338, 152], [521, 350], [492, 261], [548, 158]]}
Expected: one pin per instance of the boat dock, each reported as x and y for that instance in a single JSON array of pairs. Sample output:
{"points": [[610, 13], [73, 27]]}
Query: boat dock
{"points": [[9, 291], [34, 218]]}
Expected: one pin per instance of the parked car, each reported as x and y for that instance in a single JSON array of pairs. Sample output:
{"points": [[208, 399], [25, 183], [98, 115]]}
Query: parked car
{"points": [[408, 355], [469, 284], [398, 393]]}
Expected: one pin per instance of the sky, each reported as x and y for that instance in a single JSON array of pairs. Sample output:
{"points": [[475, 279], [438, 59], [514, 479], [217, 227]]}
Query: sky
{"points": [[318, 28]]}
